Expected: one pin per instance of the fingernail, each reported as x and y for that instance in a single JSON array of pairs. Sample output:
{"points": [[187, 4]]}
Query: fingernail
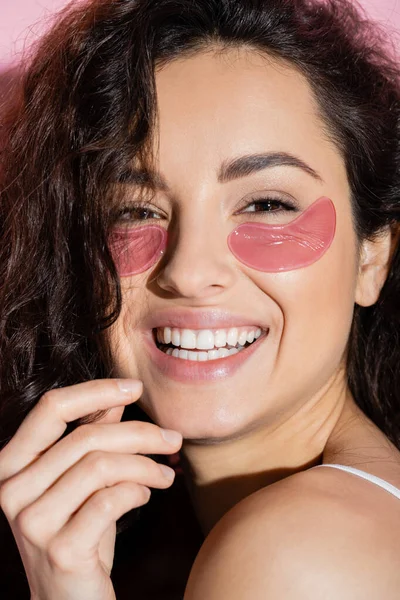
{"points": [[167, 472], [129, 386], [171, 436]]}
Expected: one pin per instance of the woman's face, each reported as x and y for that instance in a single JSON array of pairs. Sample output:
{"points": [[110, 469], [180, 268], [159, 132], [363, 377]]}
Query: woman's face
{"points": [[213, 109]]}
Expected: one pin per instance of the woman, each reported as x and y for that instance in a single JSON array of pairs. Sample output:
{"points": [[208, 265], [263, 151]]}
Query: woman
{"points": [[200, 216]]}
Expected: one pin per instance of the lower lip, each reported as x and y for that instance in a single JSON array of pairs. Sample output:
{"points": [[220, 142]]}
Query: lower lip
{"points": [[184, 370]]}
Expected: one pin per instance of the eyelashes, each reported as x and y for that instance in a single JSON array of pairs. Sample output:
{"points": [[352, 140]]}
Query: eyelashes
{"points": [[268, 247], [133, 211], [140, 212], [283, 206]]}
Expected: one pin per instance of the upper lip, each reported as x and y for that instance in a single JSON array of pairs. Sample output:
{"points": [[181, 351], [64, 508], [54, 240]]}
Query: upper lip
{"points": [[183, 318]]}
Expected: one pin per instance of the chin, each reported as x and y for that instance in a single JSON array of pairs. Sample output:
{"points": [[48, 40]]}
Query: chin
{"points": [[197, 422]]}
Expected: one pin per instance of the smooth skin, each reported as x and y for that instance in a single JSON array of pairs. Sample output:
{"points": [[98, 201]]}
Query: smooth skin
{"points": [[258, 432], [63, 498], [274, 528]]}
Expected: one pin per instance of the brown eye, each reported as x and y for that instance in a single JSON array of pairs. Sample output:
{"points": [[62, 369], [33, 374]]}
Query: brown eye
{"points": [[272, 205], [136, 213]]}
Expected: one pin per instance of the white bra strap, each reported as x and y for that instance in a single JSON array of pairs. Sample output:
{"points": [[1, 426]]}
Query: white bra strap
{"points": [[377, 480]]}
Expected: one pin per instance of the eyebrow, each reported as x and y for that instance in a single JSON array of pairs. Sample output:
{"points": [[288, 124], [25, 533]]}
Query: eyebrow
{"points": [[236, 168]]}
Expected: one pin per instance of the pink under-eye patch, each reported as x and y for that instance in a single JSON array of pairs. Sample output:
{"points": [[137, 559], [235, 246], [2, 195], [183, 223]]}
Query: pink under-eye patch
{"points": [[136, 250], [268, 248], [277, 248]]}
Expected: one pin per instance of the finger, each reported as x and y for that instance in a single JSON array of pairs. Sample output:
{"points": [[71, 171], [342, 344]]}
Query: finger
{"points": [[47, 421], [106, 548], [130, 437], [43, 519], [113, 415], [76, 546]]}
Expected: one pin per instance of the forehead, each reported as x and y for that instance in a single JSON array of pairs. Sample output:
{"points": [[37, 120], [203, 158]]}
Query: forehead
{"points": [[215, 105]]}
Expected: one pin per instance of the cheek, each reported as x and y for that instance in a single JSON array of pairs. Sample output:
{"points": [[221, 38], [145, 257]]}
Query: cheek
{"points": [[136, 250], [277, 248], [315, 307]]}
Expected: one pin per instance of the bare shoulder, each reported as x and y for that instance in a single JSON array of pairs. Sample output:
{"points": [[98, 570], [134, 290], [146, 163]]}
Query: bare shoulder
{"points": [[316, 534]]}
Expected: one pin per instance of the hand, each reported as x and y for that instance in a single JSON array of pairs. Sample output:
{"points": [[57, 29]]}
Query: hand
{"points": [[62, 498]]}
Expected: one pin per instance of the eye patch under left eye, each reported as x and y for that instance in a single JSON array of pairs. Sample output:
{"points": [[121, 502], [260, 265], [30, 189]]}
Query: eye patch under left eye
{"points": [[276, 248], [268, 248]]}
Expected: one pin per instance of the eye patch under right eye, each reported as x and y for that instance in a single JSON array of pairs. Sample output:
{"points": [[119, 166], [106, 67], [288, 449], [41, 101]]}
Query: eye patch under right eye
{"points": [[268, 248], [136, 250]]}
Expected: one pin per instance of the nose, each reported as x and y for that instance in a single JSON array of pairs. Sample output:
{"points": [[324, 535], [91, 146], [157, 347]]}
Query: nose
{"points": [[198, 262]]}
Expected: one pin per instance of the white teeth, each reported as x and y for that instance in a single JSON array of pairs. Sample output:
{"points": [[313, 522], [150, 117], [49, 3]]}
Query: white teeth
{"points": [[207, 339], [167, 335], [220, 338], [212, 354], [223, 352], [250, 337], [242, 338], [232, 337], [176, 337], [202, 356]]}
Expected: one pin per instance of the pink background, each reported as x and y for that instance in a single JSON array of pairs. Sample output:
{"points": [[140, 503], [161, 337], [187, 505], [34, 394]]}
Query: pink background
{"points": [[21, 21]]}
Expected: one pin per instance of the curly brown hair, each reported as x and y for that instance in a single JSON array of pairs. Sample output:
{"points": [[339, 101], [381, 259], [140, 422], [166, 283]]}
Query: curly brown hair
{"points": [[86, 106]]}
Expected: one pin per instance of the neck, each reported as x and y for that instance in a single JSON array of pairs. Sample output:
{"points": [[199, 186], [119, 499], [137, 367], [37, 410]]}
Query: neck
{"points": [[219, 475]]}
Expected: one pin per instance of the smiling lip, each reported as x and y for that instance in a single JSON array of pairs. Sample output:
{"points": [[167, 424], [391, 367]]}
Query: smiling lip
{"points": [[184, 318], [187, 371]]}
